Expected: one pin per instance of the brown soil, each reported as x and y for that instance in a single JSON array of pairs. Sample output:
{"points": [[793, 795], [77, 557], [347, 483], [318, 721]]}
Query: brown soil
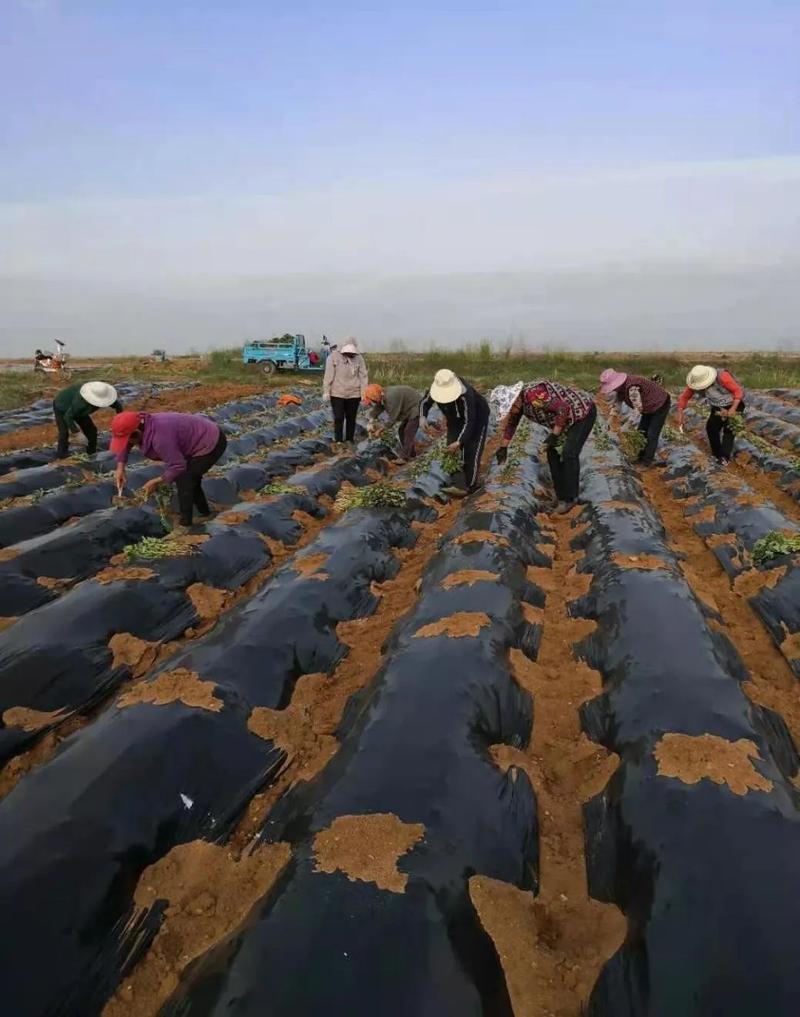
{"points": [[691, 758], [646, 562], [481, 537], [308, 564], [210, 895], [179, 686], [233, 518], [31, 720], [15, 769], [188, 401], [367, 848], [7, 622], [468, 577], [138, 654], [553, 946], [49, 583], [772, 683], [790, 647], [208, 601], [623, 506], [8, 553], [307, 730], [121, 573], [462, 623]]}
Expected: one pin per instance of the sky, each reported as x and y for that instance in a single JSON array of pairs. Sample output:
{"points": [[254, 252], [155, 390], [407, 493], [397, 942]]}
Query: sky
{"points": [[575, 174]]}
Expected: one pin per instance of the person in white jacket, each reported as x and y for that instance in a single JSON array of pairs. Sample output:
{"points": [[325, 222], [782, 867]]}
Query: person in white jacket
{"points": [[344, 383]]}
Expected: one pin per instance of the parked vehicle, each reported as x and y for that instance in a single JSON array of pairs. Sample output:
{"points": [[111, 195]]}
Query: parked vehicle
{"points": [[287, 353], [52, 363]]}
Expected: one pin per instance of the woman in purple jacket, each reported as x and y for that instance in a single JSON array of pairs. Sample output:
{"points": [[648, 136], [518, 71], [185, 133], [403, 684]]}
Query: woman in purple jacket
{"points": [[186, 443]]}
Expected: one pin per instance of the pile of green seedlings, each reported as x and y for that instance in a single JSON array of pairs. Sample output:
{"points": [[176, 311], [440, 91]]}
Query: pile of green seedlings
{"points": [[775, 544], [379, 495]]}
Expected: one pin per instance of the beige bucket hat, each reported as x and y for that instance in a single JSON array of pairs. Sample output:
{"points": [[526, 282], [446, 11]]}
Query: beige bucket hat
{"points": [[446, 387], [98, 393], [701, 377]]}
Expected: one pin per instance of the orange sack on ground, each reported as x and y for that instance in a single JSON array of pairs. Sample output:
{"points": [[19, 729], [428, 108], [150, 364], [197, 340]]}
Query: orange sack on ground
{"points": [[290, 400]]}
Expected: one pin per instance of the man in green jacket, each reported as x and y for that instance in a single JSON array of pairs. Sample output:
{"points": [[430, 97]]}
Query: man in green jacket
{"points": [[401, 404], [73, 408]]}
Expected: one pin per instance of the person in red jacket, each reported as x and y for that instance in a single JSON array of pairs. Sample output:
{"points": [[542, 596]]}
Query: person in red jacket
{"points": [[647, 397], [723, 393]]}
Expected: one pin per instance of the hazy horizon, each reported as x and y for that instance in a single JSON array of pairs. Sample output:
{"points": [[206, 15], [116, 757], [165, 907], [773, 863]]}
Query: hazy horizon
{"points": [[187, 176]]}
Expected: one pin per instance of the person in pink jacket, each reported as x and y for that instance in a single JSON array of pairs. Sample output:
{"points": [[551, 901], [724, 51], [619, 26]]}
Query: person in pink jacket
{"points": [[344, 384]]}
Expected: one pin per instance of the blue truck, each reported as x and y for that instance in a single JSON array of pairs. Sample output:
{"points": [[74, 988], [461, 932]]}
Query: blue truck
{"points": [[287, 353]]}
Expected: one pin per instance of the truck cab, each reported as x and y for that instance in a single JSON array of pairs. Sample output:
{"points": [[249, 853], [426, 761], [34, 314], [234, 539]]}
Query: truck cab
{"points": [[288, 352]]}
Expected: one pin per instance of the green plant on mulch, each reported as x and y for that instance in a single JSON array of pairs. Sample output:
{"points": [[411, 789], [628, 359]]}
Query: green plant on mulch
{"points": [[736, 423], [775, 544], [602, 439], [163, 500], [379, 495], [438, 453], [633, 443], [673, 434], [280, 487], [156, 547]]}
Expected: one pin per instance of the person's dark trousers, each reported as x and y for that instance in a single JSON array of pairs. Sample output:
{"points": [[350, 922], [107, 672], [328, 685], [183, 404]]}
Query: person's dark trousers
{"points": [[565, 468], [473, 447], [190, 483], [86, 424], [720, 436], [651, 425], [344, 418], [407, 432]]}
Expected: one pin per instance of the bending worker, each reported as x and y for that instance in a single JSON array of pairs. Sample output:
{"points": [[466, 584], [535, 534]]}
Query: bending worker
{"points": [[73, 408], [186, 443], [401, 404], [344, 383], [647, 397], [570, 412], [467, 416], [725, 396]]}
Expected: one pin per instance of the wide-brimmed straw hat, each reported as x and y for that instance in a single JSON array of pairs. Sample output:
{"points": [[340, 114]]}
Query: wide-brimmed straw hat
{"points": [[700, 377], [446, 387], [98, 393], [610, 380]]}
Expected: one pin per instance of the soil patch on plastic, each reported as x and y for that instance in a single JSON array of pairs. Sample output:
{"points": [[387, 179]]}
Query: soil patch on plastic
{"points": [[367, 848], [121, 573], [137, 654], [748, 583], [178, 686], [481, 537], [553, 946], [31, 720], [645, 562], [210, 895], [309, 564], [468, 577], [208, 601], [462, 623], [692, 758]]}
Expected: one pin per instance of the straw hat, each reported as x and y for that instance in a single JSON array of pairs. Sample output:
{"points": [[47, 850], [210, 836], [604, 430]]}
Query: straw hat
{"points": [[610, 380], [97, 393], [701, 377], [446, 387], [349, 348]]}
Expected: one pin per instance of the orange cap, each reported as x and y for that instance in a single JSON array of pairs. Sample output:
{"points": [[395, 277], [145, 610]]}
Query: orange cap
{"points": [[373, 394]]}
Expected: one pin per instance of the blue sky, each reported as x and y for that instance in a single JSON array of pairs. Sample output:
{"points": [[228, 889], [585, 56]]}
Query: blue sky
{"points": [[248, 136]]}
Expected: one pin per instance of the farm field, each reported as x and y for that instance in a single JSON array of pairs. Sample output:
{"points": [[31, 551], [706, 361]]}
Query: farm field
{"points": [[356, 747]]}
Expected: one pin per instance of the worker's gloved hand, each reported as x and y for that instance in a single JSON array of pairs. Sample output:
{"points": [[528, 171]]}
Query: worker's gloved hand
{"points": [[551, 441], [501, 454]]}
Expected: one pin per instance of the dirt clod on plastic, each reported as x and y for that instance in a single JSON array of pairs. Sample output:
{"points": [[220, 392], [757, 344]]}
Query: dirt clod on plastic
{"points": [[645, 562], [367, 848], [468, 577], [210, 895], [481, 537], [207, 601], [137, 654], [462, 623], [178, 686], [690, 758], [122, 573], [31, 720]]}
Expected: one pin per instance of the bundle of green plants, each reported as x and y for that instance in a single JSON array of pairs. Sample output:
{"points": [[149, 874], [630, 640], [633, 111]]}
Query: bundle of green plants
{"points": [[155, 547], [736, 423], [673, 434], [450, 461], [379, 495], [775, 544], [281, 487], [602, 439], [633, 443]]}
